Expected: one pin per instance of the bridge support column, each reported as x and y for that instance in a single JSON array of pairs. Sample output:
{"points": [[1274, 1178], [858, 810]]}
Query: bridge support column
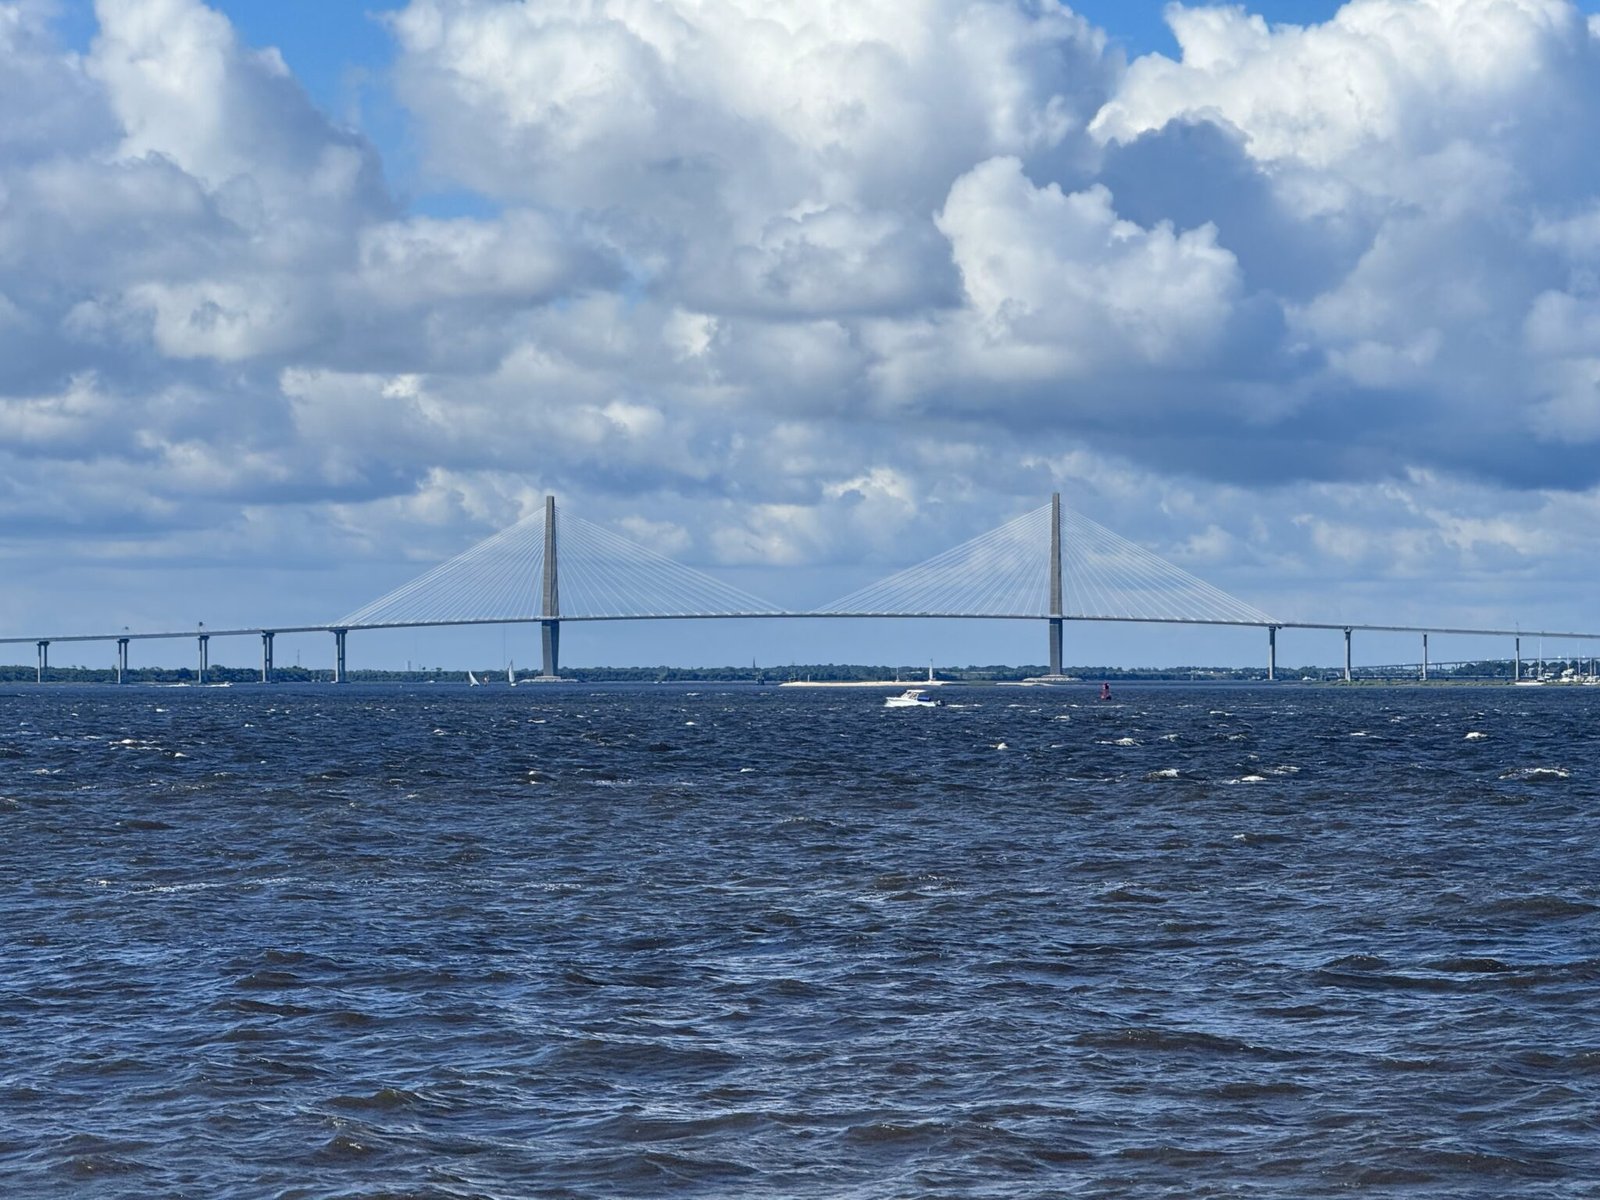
{"points": [[338, 655], [1347, 676], [1272, 653], [1056, 615], [205, 655], [1516, 666], [44, 660], [1424, 658], [122, 660], [550, 599], [550, 647], [266, 656]]}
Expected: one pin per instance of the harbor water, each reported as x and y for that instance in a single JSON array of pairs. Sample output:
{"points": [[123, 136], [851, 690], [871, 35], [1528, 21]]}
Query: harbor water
{"points": [[573, 941]]}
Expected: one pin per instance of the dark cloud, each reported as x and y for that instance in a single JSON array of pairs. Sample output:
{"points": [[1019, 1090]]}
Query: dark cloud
{"points": [[1191, 172]]}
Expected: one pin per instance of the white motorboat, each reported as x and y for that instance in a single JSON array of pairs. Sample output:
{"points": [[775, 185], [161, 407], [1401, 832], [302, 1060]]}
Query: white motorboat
{"points": [[911, 698]]}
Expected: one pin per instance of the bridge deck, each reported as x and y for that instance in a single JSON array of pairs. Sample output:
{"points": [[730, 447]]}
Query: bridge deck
{"points": [[1340, 626]]}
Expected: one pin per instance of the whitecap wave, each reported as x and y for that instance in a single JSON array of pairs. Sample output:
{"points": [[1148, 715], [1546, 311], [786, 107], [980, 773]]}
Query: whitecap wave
{"points": [[1537, 774]]}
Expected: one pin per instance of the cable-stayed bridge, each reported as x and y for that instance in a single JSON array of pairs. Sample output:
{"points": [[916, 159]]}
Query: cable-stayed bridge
{"points": [[1051, 565]]}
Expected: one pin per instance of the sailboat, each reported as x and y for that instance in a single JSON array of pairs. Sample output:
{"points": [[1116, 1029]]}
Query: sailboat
{"points": [[472, 680], [511, 675]]}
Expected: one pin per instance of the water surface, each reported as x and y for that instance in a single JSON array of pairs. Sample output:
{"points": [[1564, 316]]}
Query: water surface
{"points": [[594, 942]]}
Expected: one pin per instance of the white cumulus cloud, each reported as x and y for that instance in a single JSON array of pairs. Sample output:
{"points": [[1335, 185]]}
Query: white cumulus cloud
{"points": [[813, 282]]}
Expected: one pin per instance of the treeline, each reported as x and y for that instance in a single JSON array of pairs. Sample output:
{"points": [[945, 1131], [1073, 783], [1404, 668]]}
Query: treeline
{"points": [[491, 676], [28, 674], [813, 672]]}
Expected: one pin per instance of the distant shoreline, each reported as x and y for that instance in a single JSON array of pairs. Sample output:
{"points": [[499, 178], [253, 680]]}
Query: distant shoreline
{"points": [[824, 678]]}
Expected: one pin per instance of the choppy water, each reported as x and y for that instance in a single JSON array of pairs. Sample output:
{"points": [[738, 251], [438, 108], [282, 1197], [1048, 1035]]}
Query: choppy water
{"points": [[761, 943]]}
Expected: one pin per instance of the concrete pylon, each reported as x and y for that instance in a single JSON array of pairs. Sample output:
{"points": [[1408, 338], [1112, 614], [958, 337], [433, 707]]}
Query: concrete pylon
{"points": [[550, 601], [1055, 583], [1056, 620]]}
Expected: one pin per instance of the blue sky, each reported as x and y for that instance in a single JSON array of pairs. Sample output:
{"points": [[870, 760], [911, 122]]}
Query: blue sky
{"points": [[800, 294]]}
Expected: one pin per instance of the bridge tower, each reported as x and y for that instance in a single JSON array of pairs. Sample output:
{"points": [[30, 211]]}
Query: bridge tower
{"points": [[1055, 583], [550, 600]]}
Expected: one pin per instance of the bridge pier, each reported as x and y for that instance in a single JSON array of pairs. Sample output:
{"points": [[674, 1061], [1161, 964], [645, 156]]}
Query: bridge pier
{"points": [[1272, 653], [44, 660], [1055, 584], [338, 655], [1516, 669], [1056, 622], [266, 656], [550, 601], [122, 660], [1347, 676], [1424, 658], [550, 649], [205, 655]]}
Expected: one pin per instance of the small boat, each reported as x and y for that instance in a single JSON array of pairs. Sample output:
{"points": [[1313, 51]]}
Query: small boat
{"points": [[911, 698]]}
